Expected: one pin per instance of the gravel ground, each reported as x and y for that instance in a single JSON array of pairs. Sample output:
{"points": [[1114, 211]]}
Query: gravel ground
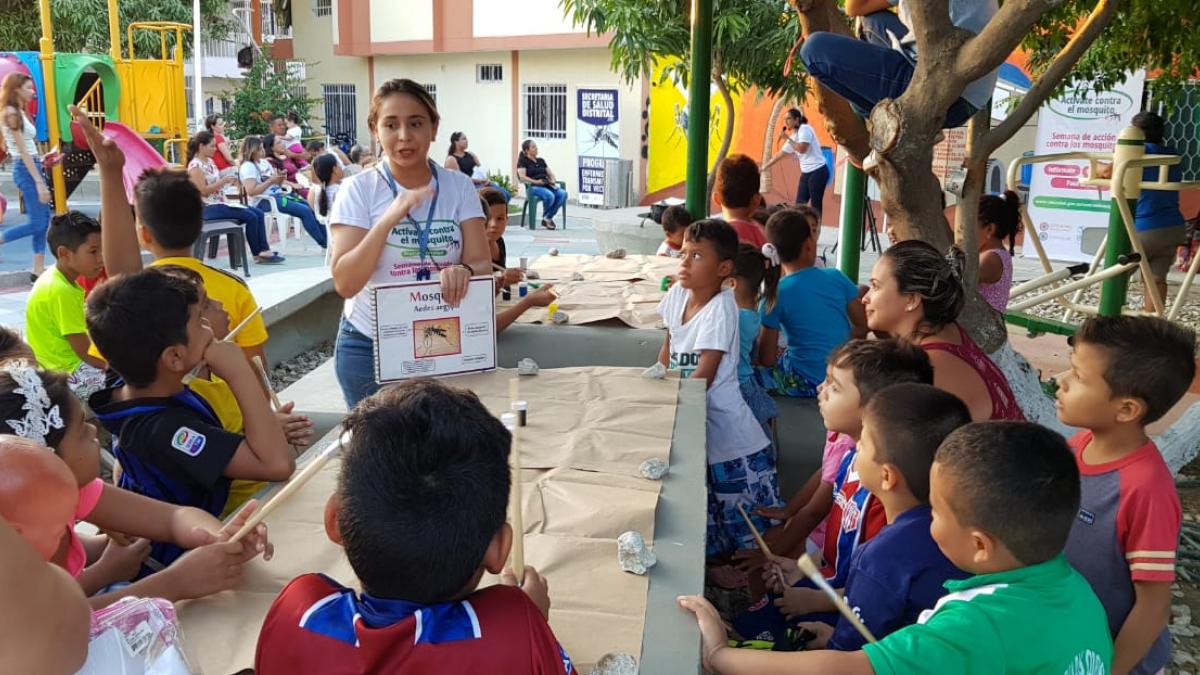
{"points": [[1189, 313], [286, 373]]}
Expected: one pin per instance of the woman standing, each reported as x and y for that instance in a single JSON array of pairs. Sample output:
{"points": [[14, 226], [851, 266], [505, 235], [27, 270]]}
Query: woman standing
{"points": [[540, 182], [223, 157], [202, 169], [800, 141], [406, 219], [916, 294], [263, 183], [19, 133], [458, 158]]}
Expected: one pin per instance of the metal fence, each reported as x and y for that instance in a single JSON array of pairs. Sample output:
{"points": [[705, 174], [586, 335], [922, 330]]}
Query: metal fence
{"points": [[1183, 129], [341, 109], [545, 110]]}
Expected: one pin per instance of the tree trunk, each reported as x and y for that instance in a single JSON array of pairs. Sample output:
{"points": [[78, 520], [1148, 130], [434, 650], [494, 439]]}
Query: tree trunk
{"points": [[769, 140], [842, 123], [966, 229], [723, 151]]}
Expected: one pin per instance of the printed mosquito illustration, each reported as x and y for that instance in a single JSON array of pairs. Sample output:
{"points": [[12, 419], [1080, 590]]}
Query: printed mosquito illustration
{"points": [[602, 135], [431, 333]]}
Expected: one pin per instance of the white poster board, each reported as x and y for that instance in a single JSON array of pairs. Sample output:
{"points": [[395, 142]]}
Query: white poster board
{"points": [[418, 335], [1071, 218], [597, 138]]}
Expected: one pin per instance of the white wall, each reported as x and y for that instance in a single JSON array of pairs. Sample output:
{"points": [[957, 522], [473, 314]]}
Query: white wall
{"points": [[496, 18], [582, 68], [313, 43], [400, 20], [482, 110]]}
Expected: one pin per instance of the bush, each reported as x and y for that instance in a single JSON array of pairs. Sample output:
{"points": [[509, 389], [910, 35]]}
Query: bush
{"points": [[267, 88], [503, 181]]}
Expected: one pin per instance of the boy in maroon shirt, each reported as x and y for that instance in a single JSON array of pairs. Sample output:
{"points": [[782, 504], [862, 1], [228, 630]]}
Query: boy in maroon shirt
{"points": [[420, 509], [1126, 372]]}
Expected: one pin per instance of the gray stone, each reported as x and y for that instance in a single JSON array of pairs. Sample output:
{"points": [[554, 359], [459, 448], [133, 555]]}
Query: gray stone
{"points": [[632, 553], [560, 317], [576, 276], [616, 254], [527, 367], [616, 663], [653, 468], [553, 251], [532, 274]]}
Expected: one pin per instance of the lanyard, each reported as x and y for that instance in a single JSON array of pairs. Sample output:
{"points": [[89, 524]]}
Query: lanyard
{"points": [[422, 233]]}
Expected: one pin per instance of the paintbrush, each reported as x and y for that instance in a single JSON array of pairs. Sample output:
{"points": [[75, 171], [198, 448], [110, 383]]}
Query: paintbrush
{"points": [[194, 372], [762, 544], [810, 570]]}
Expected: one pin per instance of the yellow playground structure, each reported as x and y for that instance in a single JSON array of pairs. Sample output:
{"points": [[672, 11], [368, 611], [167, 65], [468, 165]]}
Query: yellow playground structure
{"points": [[138, 99]]}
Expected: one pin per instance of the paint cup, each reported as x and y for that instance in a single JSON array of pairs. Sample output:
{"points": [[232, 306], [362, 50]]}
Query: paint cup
{"points": [[509, 420], [522, 289], [550, 310], [665, 284], [521, 409], [524, 263]]}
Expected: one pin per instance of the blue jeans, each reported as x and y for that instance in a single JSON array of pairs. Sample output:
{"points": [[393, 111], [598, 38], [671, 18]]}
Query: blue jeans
{"points": [[39, 213], [293, 206], [553, 199], [250, 218], [866, 71], [354, 363]]}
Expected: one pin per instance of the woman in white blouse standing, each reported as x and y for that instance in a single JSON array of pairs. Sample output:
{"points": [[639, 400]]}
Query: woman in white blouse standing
{"points": [[406, 219], [800, 141], [19, 136]]}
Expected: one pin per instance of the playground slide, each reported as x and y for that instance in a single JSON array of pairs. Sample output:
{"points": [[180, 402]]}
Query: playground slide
{"points": [[139, 155]]}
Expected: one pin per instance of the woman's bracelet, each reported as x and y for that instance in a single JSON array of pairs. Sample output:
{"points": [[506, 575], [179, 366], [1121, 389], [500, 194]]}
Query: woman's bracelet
{"points": [[470, 270]]}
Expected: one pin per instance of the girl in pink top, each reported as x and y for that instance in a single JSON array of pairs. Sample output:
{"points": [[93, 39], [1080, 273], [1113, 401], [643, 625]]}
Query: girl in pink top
{"points": [[37, 405], [999, 221], [916, 294]]}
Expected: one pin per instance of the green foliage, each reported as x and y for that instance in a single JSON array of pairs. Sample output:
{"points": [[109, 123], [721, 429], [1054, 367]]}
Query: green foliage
{"points": [[266, 88], [503, 180], [751, 39], [1158, 35], [82, 25]]}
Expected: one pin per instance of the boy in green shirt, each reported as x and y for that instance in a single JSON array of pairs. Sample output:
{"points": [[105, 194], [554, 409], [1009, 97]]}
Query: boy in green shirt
{"points": [[54, 324], [1004, 497]]}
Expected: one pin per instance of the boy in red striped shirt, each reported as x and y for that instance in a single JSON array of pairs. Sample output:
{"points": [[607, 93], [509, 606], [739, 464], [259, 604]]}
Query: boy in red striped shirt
{"points": [[1127, 372]]}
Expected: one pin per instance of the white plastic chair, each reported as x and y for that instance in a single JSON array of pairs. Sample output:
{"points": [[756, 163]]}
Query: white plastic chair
{"points": [[282, 223]]}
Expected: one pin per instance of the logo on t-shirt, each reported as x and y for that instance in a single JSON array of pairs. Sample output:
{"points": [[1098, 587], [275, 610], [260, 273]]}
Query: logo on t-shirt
{"points": [[188, 441], [1087, 517], [1086, 662]]}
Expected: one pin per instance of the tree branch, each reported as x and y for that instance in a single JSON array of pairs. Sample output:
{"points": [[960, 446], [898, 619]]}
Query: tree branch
{"points": [[1054, 74], [983, 53], [966, 216], [932, 28]]}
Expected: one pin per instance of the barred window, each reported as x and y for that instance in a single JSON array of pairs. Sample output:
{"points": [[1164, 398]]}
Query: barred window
{"points": [[545, 110], [298, 73], [489, 72], [432, 89], [323, 7], [341, 109]]}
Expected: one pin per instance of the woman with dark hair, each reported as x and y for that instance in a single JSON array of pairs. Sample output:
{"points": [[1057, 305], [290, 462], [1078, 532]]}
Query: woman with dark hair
{"points": [[223, 157], [277, 155], [262, 183], [458, 158], [19, 135], [201, 149], [328, 175], [540, 182], [916, 294], [407, 219], [800, 141], [999, 222]]}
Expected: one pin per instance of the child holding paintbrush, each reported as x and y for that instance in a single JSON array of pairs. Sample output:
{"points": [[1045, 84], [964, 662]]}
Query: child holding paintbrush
{"points": [[420, 510], [900, 572], [1003, 497]]}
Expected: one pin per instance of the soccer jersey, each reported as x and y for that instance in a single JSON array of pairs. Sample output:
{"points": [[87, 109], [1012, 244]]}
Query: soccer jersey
{"points": [[894, 577], [319, 626], [836, 447], [1127, 531], [858, 516], [1036, 620], [232, 292], [171, 448]]}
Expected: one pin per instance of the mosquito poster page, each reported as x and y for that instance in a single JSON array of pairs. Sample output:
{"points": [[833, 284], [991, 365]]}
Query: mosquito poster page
{"points": [[418, 334], [596, 139]]}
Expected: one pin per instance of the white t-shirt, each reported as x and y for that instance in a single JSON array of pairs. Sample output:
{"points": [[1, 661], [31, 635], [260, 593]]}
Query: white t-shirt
{"points": [[28, 134], [732, 430], [362, 200], [260, 171], [665, 249], [295, 133], [812, 159], [971, 15]]}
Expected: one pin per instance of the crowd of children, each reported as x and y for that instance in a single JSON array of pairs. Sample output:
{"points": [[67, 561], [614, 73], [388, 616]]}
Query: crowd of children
{"points": [[959, 537]]}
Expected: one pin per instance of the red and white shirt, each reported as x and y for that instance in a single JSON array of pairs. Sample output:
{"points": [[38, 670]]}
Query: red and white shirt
{"points": [[1127, 531], [319, 626], [856, 516]]}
